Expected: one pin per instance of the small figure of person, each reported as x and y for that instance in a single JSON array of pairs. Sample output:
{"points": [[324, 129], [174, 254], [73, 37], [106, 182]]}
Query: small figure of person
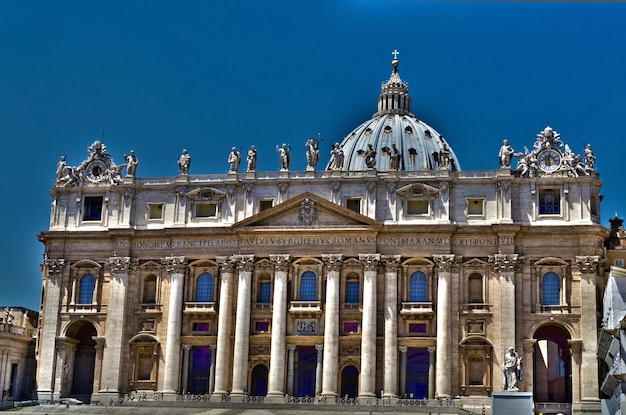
{"points": [[505, 154], [394, 158], [590, 158], [337, 155], [511, 370], [131, 163], [184, 162], [284, 157], [61, 169], [312, 153], [370, 157], [234, 158], [251, 159]]}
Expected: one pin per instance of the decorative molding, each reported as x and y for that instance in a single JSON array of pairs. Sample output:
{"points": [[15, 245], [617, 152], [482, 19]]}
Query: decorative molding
{"points": [[226, 264], [245, 262], [505, 262], [281, 261], [119, 265], [369, 261], [308, 212], [174, 264], [332, 262], [588, 264], [446, 263], [391, 262], [54, 266]]}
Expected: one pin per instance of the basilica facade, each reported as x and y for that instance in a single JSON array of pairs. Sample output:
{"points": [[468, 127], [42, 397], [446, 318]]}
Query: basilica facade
{"points": [[389, 272]]}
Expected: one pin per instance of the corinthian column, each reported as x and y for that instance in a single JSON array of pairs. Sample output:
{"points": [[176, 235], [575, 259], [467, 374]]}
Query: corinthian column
{"points": [[52, 270], [242, 325], [505, 265], [390, 385], [331, 325], [223, 352], [112, 356], [367, 378], [276, 381], [588, 266], [445, 265], [175, 272]]}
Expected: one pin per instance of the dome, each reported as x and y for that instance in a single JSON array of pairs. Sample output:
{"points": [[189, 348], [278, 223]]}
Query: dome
{"points": [[394, 129]]}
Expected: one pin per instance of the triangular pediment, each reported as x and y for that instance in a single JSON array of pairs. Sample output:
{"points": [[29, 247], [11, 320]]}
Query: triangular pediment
{"points": [[307, 210]]}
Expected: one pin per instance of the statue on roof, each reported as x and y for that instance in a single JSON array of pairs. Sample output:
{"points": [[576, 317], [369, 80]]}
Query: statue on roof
{"points": [[184, 162], [395, 158], [444, 156], [337, 156], [505, 154], [312, 153], [131, 163], [284, 156], [590, 158], [251, 159], [370, 157], [234, 158]]}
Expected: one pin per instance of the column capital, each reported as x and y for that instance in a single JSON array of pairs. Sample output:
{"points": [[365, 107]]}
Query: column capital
{"points": [[529, 345], [186, 347], [55, 266], [588, 264], [575, 347], [119, 264], [281, 261], [505, 262], [319, 347], [291, 347], [213, 346], [447, 262], [432, 349], [332, 261], [403, 349], [391, 262], [369, 261], [174, 264], [226, 264], [245, 262]]}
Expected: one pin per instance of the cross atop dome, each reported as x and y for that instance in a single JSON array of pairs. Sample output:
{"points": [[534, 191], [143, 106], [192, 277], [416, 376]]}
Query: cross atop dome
{"points": [[395, 54]]}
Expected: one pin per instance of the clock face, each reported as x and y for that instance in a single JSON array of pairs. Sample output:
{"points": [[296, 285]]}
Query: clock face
{"points": [[95, 170], [549, 160]]}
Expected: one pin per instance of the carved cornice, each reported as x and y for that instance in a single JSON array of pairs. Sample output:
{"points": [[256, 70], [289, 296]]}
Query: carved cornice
{"points": [[588, 264], [332, 262], [119, 264], [505, 262], [446, 263], [281, 261], [391, 262], [174, 264], [369, 261]]}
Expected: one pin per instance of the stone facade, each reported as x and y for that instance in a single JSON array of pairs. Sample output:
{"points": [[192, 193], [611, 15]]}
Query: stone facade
{"points": [[18, 326], [337, 282]]}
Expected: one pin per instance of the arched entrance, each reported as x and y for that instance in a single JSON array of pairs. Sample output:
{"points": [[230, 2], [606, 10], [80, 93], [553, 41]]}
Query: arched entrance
{"points": [[417, 373], [258, 381], [552, 365], [349, 382], [84, 360], [305, 372]]}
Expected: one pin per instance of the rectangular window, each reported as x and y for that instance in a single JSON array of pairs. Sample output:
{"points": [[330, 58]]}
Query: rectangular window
{"points": [[354, 205], [155, 211], [203, 327], [206, 210], [619, 263], [549, 202], [475, 207], [351, 327], [417, 207], [265, 204], [265, 292], [92, 208], [262, 326], [417, 328], [352, 292]]}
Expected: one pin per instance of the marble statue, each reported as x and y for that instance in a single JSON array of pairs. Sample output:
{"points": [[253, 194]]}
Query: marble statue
{"points": [[444, 157], [505, 154], [184, 161], [511, 370], [590, 158], [131, 163], [370, 157], [394, 158], [251, 159], [284, 155], [337, 155], [312, 153], [61, 169], [234, 158]]}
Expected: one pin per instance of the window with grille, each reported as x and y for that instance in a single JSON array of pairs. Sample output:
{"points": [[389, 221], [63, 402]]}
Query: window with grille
{"points": [[308, 286], [418, 287], [87, 286], [204, 288]]}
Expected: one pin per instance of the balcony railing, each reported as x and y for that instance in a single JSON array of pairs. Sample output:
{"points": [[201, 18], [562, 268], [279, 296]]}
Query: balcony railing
{"points": [[86, 308], [200, 308], [476, 308], [150, 308], [414, 309], [306, 308]]}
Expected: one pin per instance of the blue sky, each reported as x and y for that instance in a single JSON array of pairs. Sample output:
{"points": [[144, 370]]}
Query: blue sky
{"points": [[157, 77]]}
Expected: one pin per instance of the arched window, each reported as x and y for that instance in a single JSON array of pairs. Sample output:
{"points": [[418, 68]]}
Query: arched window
{"points": [[204, 288], [308, 286], [149, 290], [418, 287], [475, 289], [87, 285], [551, 289]]}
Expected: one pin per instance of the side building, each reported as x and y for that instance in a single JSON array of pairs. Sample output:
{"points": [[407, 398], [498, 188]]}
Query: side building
{"points": [[390, 272], [18, 330]]}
